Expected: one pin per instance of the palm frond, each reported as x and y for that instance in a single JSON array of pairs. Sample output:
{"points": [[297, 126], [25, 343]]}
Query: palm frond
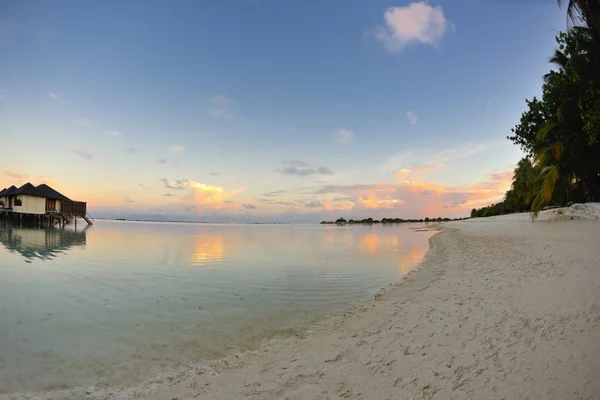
{"points": [[536, 206], [549, 183], [574, 12], [559, 58], [545, 129], [549, 177], [541, 158]]}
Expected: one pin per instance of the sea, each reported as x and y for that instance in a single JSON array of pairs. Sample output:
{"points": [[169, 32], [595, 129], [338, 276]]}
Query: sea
{"points": [[121, 302]]}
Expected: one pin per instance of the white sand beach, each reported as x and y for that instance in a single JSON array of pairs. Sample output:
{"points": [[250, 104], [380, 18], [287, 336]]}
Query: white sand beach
{"points": [[500, 308]]}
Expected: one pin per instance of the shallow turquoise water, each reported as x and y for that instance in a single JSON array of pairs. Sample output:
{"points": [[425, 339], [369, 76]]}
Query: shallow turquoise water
{"points": [[122, 301]]}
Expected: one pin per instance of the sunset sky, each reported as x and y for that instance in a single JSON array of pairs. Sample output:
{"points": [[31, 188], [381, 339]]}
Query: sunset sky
{"points": [[264, 110]]}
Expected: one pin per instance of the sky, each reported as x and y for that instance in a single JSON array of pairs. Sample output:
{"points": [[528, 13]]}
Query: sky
{"points": [[265, 110]]}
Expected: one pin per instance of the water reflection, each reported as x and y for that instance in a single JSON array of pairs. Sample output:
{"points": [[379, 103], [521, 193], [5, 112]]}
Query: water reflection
{"points": [[145, 297], [40, 243], [410, 259], [208, 250], [369, 243]]}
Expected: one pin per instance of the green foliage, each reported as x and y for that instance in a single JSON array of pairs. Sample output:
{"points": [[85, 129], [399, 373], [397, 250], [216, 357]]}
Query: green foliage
{"points": [[586, 12], [489, 211], [548, 179], [370, 221], [519, 197], [398, 220], [561, 131]]}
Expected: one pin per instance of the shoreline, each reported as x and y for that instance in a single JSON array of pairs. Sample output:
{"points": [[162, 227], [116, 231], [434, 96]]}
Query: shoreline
{"points": [[509, 302]]}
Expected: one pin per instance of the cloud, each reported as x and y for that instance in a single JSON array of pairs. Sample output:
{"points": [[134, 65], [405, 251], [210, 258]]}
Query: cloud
{"points": [[439, 157], [304, 171], [343, 198], [249, 206], [338, 206], [412, 196], [114, 133], [324, 171], [314, 204], [295, 163], [16, 175], [82, 153], [53, 95], [301, 168], [202, 196], [461, 200], [162, 161], [501, 176], [282, 203], [412, 117], [222, 106], [275, 193], [373, 201], [215, 174], [417, 172], [344, 137], [418, 22], [296, 171], [126, 199], [209, 197], [131, 150], [179, 184], [201, 199], [465, 151]]}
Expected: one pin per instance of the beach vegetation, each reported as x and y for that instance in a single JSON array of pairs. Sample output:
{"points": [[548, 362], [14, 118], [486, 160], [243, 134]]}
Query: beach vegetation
{"points": [[370, 221], [560, 131]]}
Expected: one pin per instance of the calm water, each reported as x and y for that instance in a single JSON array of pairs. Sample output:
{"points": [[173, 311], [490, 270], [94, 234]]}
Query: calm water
{"points": [[123, 301]]}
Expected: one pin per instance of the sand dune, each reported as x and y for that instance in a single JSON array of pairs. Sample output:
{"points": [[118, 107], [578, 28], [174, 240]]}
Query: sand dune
{"points": [[501, 308]]}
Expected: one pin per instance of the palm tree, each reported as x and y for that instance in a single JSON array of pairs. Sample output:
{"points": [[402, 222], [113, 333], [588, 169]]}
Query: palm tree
{"points": [[574, 93], [586, 11], [547, 163], [524, 179]]}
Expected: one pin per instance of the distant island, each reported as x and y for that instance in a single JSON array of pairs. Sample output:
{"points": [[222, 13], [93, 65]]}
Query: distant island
{"points": [[368, 221]]}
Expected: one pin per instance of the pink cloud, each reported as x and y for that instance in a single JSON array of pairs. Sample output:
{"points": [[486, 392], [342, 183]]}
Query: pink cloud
{"points": [[412, 196], [416, 23], [374, 201], [16, 176], [501, 176], [338, 206]]}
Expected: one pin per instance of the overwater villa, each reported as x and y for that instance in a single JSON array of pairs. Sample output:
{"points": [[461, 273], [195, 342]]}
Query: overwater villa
{"points": [[40, 203]]}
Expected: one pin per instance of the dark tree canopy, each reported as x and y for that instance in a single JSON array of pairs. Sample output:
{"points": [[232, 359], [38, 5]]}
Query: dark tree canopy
{"points": [[560, 132]]}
